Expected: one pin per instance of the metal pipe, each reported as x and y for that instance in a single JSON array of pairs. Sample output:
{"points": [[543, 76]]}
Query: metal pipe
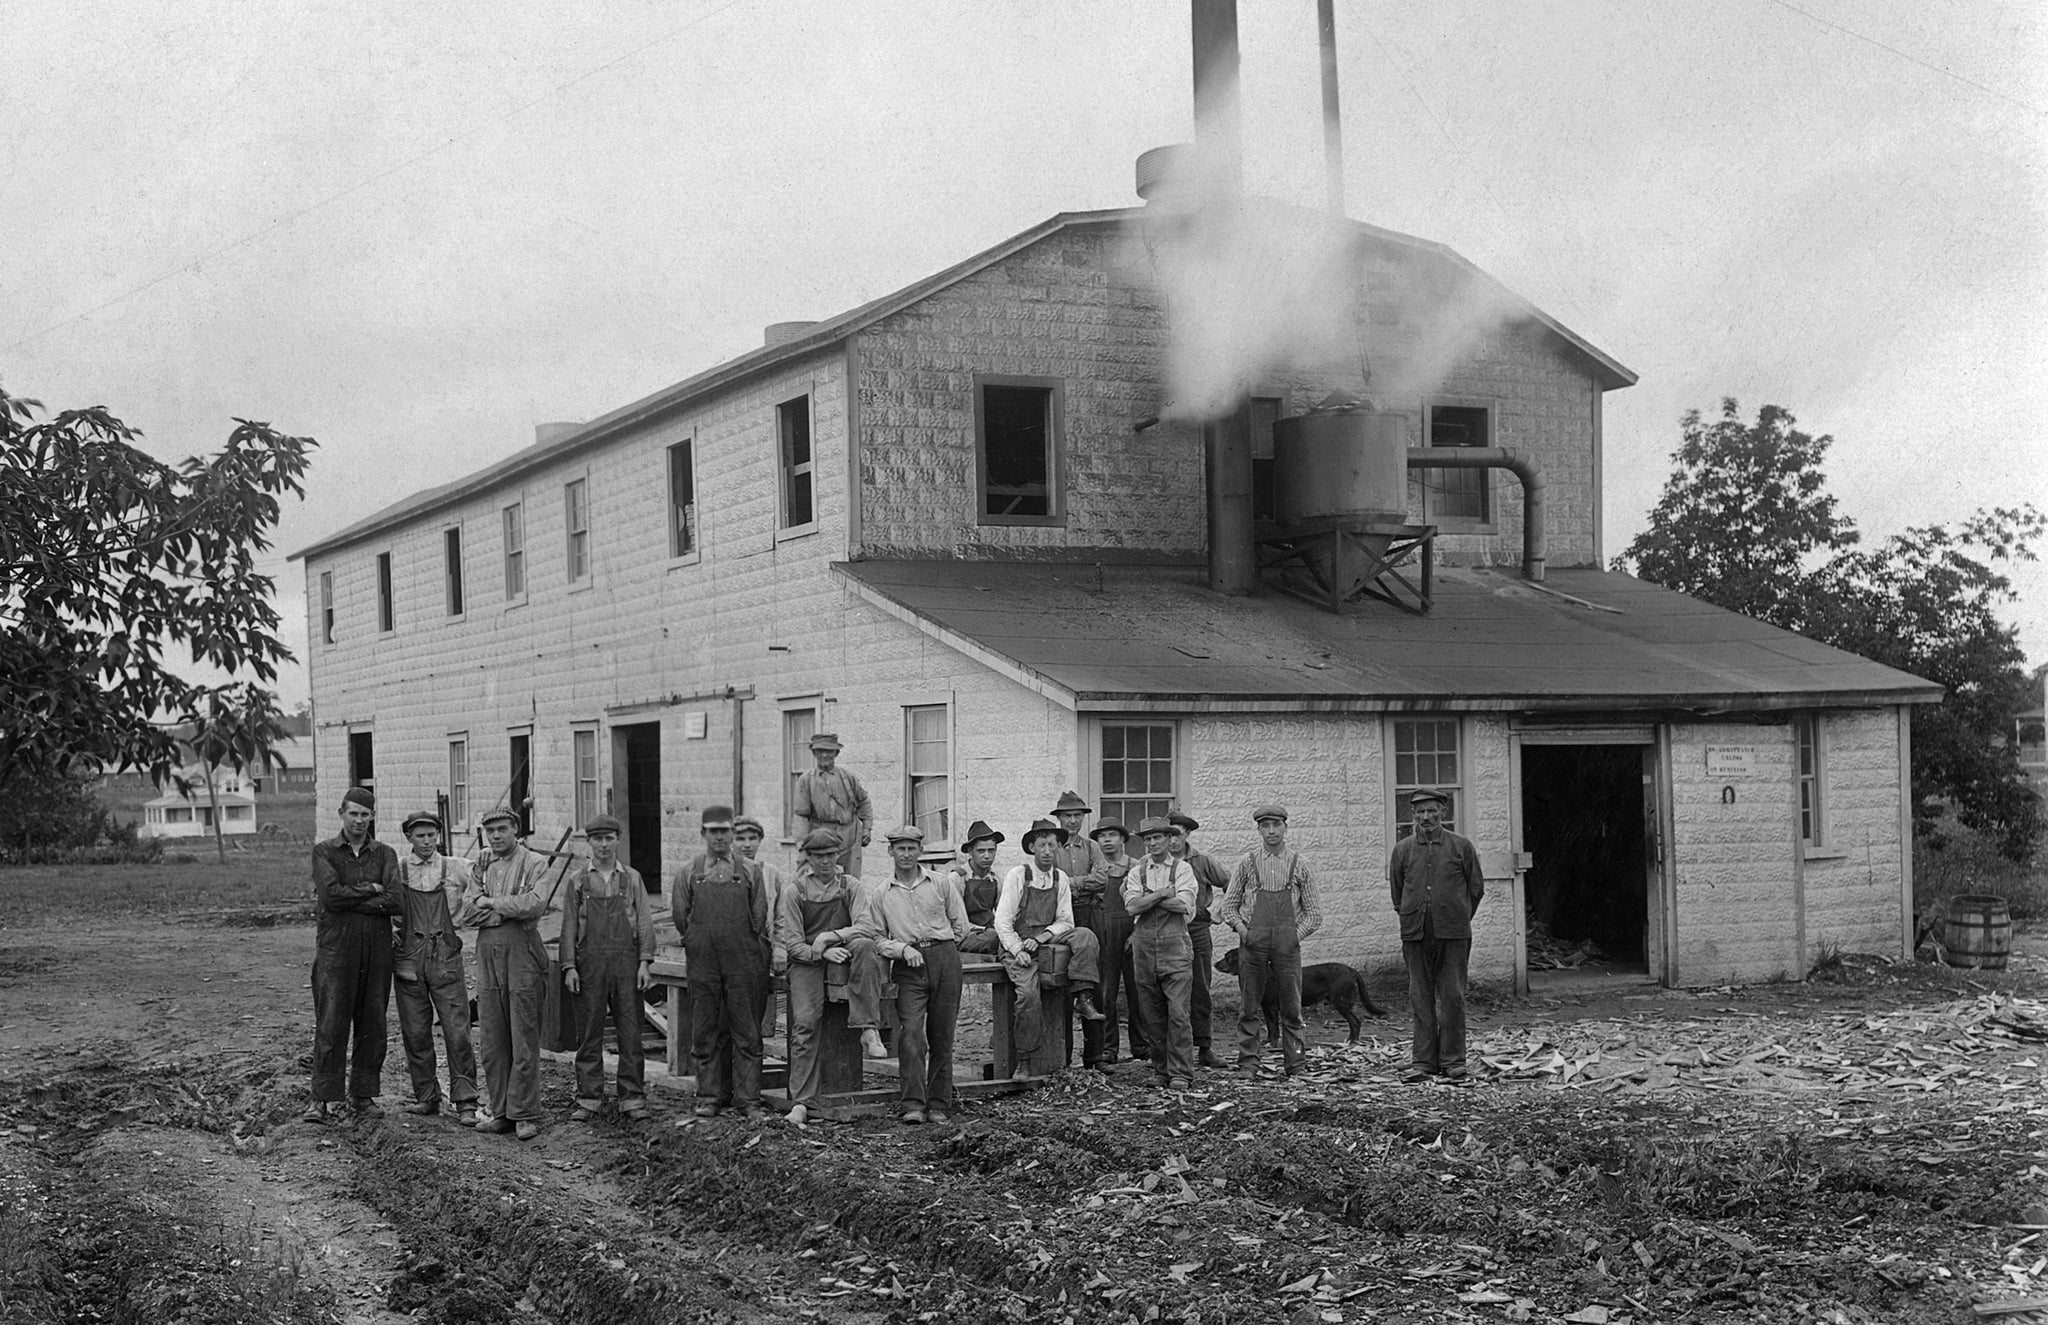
{"points": [[1217, 141], [1498, 457], [1333, 122]]}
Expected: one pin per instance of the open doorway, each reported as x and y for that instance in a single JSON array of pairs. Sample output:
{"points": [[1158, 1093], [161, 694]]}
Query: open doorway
{"points": [[636, 779], [1587, 892]]}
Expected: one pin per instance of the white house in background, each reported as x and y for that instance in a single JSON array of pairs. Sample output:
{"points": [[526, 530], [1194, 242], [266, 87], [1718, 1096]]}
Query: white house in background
{"points": [[175, 814]]}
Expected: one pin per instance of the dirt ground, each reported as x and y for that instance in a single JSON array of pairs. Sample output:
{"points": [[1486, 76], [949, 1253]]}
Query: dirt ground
{"points": [[1871, 1149]]}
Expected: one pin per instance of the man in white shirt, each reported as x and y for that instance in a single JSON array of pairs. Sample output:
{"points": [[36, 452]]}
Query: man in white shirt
{"points": [[1035, 911]]}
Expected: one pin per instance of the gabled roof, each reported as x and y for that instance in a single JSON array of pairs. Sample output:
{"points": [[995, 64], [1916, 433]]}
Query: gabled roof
{"points": [[1132, 638], [835, 330]]}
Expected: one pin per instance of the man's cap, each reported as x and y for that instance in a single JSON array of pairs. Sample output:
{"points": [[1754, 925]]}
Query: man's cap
{"points": [[1039, 828], [826, 741], [418, 817], [603, 823], [1428, 796], [1070, 801], [979, 831], [717, 816], [1187, 823], [499, 815], [820, 839], [905, 833], [358, 796], [1155, 824], [745, 821], [1270, 812], [1109, 826]]}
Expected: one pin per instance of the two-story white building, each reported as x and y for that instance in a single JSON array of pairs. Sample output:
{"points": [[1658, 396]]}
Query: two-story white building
{"points": [[944, 526]]}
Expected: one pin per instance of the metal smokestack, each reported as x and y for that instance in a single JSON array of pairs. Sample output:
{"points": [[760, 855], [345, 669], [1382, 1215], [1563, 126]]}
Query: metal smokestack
{"points": [[1333, 122]]}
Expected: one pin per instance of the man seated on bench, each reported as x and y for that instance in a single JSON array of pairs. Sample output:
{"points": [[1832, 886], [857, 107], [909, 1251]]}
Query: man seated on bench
{"points": [[979, 888], [823, 924], [1036, 911]]}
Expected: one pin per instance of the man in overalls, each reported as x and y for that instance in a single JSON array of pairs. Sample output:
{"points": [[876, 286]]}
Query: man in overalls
{"points": [[980, 888], [1437, 884], [607, 949], [1271, 906], [823, 924], [747, 836], [1159, 892], [721, 910], [833, 799], [1210, 883], [1035, 912], [429, 972], [1119, 995], [918, 922], [1079, 858], [505, 898], [355, 894]]}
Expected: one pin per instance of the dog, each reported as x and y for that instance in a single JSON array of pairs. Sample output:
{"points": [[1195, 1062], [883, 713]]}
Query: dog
{"points": [[1324, 982]]}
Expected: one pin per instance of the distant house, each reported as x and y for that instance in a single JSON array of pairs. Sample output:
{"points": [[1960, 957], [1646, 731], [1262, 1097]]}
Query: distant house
{"points": [[2030, 731], [949, 527], [189, 813]]}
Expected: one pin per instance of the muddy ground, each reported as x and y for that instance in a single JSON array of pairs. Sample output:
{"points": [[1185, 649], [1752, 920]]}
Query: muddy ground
{"points": [[1872, 1149]]}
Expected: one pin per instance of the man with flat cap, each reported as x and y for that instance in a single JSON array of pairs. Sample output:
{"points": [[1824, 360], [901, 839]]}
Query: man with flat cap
{"points": [[429, 971], [980, 888], [1034, 912], [1272, 906], [1119, 996], [831, 798], [824, 924], [918, 921], [507, 895], [355, 894], [1437, 884], [607, 950], [721, 911], [1159, 892], [1210, 883]]}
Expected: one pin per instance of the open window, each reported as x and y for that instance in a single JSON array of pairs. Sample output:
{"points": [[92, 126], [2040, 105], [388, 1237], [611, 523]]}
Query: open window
{"points": [[1017, 447]]}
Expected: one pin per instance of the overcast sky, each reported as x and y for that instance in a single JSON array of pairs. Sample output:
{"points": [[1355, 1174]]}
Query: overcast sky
{"points": [[413, 232]]}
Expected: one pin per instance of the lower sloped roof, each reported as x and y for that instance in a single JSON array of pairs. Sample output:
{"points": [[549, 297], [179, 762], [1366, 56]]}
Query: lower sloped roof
{"points": [[1129, 637]]}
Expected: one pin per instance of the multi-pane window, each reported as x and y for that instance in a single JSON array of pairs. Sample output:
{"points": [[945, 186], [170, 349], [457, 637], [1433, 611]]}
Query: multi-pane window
{"points": [[1808, 734], [1017, 422], [387, 611], [1137, 771], [928, 767], [1265, 413], [798, 727], [515, 550], [327, 606], [793, 430], [451, 563], [1425, 756], [585, 759], [576, 521], [682, 500], [1456, 494], [458, 785]]}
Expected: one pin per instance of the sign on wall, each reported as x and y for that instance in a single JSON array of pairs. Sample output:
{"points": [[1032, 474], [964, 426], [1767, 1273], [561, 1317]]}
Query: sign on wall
{"points": [[694, 725], [1731, 761]]}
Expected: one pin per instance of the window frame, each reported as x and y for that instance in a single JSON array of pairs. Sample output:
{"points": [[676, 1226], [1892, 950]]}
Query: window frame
{"points": [[1055, 448], [586, 792], [788, 471], [385, 577], [1399, 825], [511, 531], [1094, 743], [913, 779], [1265, 499], [1422, 477], [1809, 775], [685, 532], [796, 758], [515, 776], [458, 783], [326, 609], [572, 550], [454, 600]]}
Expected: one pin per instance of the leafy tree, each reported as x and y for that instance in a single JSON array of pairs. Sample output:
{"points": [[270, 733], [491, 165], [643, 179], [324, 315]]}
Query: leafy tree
{"points": [[235, 729], [108, 559], [1745, 522]]}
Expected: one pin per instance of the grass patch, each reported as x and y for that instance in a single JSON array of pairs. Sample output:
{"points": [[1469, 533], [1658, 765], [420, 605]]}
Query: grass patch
{"points": [[1957, 861], [251, 881]]}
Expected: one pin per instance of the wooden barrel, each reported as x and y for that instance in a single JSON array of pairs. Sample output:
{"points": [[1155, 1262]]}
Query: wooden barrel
{"points": [[1977, 932]]}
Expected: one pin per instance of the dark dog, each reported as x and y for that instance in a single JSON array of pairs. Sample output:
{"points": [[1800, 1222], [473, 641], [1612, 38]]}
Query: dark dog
{"points": [[1324, 982]]}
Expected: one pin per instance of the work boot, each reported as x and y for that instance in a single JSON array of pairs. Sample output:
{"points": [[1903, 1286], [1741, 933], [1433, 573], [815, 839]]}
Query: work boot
{"points": [[367, 1107], [526, 1131], [494, 1126], [871, 1043], [937, 1116], [465, 1113], [912, 1116], [1206, 1058], [316, 1112], [1084, 1003], [424, 1108]]}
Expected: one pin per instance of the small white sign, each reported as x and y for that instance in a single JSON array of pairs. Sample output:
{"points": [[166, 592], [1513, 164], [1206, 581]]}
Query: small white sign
{"points": [[1731, 761], [694, 727]]}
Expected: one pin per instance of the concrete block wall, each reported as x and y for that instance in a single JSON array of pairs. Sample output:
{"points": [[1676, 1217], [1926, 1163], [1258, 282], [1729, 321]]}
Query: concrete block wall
{"points": [[1852, 878], [1734, 865]]}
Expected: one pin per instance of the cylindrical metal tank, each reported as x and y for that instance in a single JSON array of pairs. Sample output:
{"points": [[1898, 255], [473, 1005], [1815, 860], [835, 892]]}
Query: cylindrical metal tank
{"points": [[1343, 463]]}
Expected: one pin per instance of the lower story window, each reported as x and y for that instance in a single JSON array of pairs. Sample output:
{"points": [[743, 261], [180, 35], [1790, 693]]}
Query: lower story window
{"points": [[1139, 771], [1425, 757]]}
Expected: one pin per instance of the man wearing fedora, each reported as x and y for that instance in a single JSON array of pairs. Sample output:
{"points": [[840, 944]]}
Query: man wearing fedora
{"points": [[1210, 883], [721, 912], [1112, 925], [1437, 884], [1078, 857], [1272, 906], [979, 888], [429, 973], [1036, 912], [918, 921], [355, 893], [1159, 892], [507, 895], [607, 950], [833, 799]]}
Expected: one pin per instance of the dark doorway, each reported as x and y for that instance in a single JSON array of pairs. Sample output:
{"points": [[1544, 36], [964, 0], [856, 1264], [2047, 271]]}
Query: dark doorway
{"points": [[519, 796], [362, 767], [637, 751], [1588, 890]]}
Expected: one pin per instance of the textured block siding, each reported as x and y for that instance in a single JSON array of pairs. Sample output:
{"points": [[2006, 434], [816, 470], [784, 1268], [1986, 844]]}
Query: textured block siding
{"points": [[1071, 308], [1852, 901], [1734, 864]]}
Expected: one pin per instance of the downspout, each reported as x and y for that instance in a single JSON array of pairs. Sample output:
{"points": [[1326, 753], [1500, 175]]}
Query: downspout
{"points": [[1498, 457]]}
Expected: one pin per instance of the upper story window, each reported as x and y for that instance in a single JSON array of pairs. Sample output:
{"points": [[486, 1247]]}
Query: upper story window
{"points": [[327, 607], [799, 467], [1456, 496], [451, 560], [515, 550], [682, 500], [387, 609], [576, 523], [1016, 450]]}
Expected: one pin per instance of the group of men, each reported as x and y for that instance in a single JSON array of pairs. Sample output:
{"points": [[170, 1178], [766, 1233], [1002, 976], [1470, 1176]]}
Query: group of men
{"points": [[1134, 927]]}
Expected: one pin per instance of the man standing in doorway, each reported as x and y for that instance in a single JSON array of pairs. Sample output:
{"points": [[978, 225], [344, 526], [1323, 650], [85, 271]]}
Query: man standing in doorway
{"points": [[506, 897], [831, 798], [430, 977], [1210, 883], [1437, 884], [355, 891], [721, 910], [1272, 906]]}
